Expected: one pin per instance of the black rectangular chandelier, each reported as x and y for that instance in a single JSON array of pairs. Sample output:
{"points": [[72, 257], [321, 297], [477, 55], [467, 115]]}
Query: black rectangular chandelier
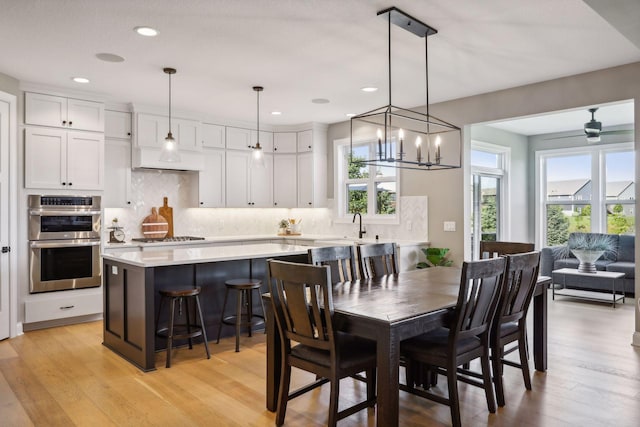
{"points": [[438, 144]]}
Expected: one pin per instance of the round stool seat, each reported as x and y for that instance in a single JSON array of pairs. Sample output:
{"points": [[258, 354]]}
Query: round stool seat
{"points": [[243, 283], [181, 331], [244, 315], [178, 293]]}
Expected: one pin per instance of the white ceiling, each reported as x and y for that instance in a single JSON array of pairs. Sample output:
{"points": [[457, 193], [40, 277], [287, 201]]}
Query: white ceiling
{"points": [[571, 120], [301, 50]]}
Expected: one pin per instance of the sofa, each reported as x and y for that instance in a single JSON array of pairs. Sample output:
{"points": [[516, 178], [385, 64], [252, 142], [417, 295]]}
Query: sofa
{"points": [[621, 259]]}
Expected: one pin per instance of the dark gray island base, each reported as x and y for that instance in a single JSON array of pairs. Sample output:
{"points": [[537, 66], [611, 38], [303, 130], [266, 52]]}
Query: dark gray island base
{"points": [[131, 295]]}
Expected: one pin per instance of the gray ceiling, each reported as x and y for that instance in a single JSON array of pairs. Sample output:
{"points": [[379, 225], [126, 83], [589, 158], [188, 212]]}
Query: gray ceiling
{"points": [[301, 50]]}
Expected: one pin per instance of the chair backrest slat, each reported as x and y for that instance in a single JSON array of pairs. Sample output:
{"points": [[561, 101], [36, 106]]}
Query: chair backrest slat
{"points": [[481, 285], [520, 283], [341, 260], [489, 249], [302, 302], [377, 259]]}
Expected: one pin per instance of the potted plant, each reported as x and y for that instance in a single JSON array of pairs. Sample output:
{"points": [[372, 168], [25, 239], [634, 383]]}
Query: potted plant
{"points": [[588, 248], [435, 257], [283, 225]]}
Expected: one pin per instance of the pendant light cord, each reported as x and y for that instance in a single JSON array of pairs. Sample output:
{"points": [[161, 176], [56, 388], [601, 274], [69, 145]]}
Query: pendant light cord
{"points": [[426, 66], [169, 102]]}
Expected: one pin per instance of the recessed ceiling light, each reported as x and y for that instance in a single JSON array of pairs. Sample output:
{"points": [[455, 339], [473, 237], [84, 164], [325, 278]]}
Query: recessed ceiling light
{"points": [[320, 101], [276, 113], [80, 79], [146, 31], [109, 57], [350, 114], [369, 89]]}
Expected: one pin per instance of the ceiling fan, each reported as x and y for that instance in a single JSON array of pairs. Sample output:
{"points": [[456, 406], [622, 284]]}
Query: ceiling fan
{"points": [[593, 129]]}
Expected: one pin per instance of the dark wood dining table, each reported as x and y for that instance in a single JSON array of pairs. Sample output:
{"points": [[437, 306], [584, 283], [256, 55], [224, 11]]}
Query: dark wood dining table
{"points": [[389, 309]]}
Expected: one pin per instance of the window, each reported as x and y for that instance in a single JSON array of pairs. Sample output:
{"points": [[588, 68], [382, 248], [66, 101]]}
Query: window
{"points": [[369, 190], [488, 170], [587, 189]]}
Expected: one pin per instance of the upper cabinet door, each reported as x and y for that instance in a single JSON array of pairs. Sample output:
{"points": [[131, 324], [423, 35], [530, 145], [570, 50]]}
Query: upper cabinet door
{"points": [[266, 140], [58, 111], [85, 161], [284, 142], [151, 130], [45, 110], [188, 134], [238, 138], [213, 136], [45, 164], [305, 141], [117, 125], [85, 115]]}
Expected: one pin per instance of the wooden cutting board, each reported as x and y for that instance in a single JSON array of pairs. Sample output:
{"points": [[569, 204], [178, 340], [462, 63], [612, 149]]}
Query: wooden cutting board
{"points": [[155, 226], [167, 212]]}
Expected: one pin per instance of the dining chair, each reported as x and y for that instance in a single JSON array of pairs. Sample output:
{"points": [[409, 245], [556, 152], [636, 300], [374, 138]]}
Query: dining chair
{"points": [[341, 260], [510, 324], [377, 259], [491, 249], [301, 296], [465, 338]]}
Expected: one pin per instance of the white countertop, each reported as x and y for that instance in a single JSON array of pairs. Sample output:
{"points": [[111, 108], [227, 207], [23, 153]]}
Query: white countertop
{"points": [[322, 239], [201, 254]]}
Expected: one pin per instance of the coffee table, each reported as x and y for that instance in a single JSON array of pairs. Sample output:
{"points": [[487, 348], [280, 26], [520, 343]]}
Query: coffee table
{"points": [[606, 276]]}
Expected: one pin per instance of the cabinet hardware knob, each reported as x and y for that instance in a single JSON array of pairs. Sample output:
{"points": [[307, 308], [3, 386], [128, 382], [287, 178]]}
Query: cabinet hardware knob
{"points": [[310, 203], [309, 146], [128, 133], [64, 183], [70, 123], [64, 122], [6, 249], [275, 203], [202, 203], [275, 148], [129, 202], [71, 183]]}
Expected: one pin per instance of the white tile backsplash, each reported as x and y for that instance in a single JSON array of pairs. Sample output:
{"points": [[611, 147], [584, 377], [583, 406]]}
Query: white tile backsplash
{"points": [[149, 187]]}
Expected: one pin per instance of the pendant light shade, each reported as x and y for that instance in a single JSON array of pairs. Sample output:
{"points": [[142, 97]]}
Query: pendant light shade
{"points": [[169, 151], [438, 144], [257, 158]]}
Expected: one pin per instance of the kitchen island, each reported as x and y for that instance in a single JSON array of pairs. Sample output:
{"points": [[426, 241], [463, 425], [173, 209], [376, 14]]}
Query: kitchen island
{"points": [[132, 280]]}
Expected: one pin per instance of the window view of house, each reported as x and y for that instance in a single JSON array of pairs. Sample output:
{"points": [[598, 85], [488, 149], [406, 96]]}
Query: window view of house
{"points": [[592, 190]]}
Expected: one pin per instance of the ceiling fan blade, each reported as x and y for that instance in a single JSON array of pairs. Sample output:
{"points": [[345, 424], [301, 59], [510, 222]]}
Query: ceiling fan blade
{"points": [[565, 136], [617, 132]]}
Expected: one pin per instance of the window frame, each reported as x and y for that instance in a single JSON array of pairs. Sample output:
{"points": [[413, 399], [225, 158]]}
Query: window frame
{"points": [[341, 149]]}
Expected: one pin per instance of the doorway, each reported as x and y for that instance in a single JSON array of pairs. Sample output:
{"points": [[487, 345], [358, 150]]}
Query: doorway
{"points": [[7, 212]]}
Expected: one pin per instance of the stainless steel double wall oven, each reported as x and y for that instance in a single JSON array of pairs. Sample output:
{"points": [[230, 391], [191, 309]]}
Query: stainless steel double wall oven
{"points": [[64, 242]]}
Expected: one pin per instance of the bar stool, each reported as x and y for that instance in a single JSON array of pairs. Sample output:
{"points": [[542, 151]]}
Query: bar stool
{"points": [[182, 331], [244, 289]]}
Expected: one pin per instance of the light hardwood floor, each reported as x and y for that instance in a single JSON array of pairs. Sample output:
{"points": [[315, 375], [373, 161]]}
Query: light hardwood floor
{"points": [[64, 377]]}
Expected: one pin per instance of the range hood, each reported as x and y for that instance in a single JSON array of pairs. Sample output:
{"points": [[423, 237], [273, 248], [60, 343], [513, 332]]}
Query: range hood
{"points": [[149, 158]]}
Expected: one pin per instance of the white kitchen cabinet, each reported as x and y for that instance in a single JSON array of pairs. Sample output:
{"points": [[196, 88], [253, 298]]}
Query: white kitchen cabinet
{"points": [[266, 140], [285, 142], [117, 125], [305, 141], [238, 138], [211, 180], [117, 189], [246, 139], [152, 129], [59, 111], [247, 185], [61, 159], [213, 136], [285, 186], [312, 168], [61, 305]]}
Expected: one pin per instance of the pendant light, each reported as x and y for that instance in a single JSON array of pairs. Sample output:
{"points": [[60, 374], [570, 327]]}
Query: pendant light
{"points": [[257, 159], [170, 146], [438, 143]]}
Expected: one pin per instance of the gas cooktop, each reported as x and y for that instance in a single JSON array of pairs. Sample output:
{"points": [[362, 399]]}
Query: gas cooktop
{"points": [[166, 239]]}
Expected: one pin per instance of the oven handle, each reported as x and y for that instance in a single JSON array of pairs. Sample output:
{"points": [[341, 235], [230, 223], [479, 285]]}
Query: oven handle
{"points": [[35, 212], [63, 243]]}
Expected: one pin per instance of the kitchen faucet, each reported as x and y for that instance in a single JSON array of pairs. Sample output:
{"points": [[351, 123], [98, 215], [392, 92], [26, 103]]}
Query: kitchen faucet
{"points": [[360, 231]]}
